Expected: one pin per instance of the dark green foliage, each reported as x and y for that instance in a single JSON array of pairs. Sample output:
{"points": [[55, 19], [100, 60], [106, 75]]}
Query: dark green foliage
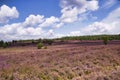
{"points": [[33, 41], [105, 40], [14, 41], [48, 41], [5, 45], [1, 43], [92, 37], [40, 45], [39, 40]]}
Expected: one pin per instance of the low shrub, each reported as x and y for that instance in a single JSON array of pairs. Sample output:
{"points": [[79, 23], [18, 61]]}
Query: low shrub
{"points": [[33, 41], [105, 40], [40, 45], [5, 45], [48, 41]]}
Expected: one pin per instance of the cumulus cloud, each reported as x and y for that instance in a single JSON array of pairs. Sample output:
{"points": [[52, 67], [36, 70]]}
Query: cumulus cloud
{"points": [[69, 16], [31, 28], [109, 25], [18, 31], [32, 20], [24, 30], [33, 24], [97, 28], [102, 28], [71, 9], [7, 13], [74, 33], [58, 25], [51, 34], [49, 21]]}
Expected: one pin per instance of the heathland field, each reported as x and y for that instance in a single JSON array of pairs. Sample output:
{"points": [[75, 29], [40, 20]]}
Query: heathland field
{"points": [[75, 60]]}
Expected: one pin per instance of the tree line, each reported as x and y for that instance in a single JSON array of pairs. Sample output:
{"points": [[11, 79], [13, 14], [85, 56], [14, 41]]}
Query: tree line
{"points": [[91, 37], [105, 39]]}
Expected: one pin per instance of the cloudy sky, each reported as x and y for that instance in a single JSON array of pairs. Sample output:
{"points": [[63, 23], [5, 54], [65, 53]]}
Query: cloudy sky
{"points": [[33, 19]]}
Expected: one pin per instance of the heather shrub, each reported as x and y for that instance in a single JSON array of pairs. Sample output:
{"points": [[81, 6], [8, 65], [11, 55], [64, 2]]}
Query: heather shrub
{"points": [[40, 45], [105, 40]]}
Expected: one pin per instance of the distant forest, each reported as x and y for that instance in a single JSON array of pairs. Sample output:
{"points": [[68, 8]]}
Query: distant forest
{"points": [[91, 37], [50, 41]]}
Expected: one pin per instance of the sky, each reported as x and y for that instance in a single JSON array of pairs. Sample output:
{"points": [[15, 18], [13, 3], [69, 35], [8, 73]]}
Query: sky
{"points": [[34, 19]]}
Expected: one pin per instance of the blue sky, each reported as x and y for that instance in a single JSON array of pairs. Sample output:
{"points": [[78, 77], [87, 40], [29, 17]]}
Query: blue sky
{"points": [[33, 19]]}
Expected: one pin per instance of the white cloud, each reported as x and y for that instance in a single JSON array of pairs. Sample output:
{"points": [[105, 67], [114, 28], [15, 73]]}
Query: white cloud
{"points": [[92, 5], [51, 34], [69, 16], [32, 20], [58, 25], [113, 16], [7, 13], [9, 29], [71, 9], [33, 24], [31, 28], [113, 20], [17, 31], [97, 28], [109, 25], [109, 3], [75, 33], [102, 28], [49, 21]]}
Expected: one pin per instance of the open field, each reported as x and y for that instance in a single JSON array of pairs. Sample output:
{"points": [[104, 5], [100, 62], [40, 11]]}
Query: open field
{"points": [[75, 60]]}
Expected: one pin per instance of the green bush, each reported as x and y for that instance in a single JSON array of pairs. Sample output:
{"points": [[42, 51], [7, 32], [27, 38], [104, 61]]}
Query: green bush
{"points": [[1, 43], [48, 41], [105, 40], [40, 45], [5, 45]]}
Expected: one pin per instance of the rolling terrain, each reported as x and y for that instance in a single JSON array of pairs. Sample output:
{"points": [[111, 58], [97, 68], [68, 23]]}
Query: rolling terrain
{"points": [[71, 60]]}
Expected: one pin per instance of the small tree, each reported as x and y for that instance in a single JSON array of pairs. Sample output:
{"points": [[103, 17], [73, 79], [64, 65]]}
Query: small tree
{"points": [[5, 45], [40, 45], [50, 41], [33, 41], [105, 40], [1, 43]]}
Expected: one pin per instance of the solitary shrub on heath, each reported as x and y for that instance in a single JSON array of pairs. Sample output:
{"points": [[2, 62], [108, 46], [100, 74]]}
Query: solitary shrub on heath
{"points": [[5, 45], [40, 45], [105, 40]]}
